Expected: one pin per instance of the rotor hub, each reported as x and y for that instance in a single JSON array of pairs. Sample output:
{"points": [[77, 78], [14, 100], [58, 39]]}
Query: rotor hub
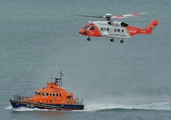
{"points": [[108, 16]]}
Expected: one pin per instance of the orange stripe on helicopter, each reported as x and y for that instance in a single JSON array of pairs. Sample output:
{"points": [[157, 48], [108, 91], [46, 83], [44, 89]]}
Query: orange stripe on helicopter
{"points": [[134, 30]]}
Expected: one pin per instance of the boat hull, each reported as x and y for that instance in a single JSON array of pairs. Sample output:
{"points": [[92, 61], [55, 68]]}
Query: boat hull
{"points": [[17, 104]]}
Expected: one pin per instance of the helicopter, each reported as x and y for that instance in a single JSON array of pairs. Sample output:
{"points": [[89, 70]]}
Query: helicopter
{"points": [[114, 29]]}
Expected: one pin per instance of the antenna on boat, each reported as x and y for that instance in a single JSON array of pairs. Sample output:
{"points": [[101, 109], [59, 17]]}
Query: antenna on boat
{"points": [[61, 74], [58, 80]]}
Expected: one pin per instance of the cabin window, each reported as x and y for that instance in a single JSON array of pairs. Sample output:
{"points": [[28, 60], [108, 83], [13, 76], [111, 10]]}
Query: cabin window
{"points": [[104, 29], [37, 93], [91, 27], [122, 30], [50, 94], [43, 94], [57, 94], [101, 29], [53, 94], [114, 30], [118, 30], [47, 94], [107, 29]]}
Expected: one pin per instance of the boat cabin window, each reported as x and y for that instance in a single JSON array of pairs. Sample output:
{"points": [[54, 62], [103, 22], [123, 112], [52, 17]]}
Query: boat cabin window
{"points": [[101, 29], [50, 94], [37, 93], [107, 29]]}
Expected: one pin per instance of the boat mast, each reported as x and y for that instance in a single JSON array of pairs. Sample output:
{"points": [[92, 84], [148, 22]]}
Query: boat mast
{"points": [[61, 74], [58, 80]]}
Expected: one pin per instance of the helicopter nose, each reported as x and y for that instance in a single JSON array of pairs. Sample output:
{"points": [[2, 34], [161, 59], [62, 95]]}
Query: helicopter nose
{"points": [[81, 31]]}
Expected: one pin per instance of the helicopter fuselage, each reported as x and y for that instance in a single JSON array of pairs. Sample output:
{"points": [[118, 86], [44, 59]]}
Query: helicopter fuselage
{"points": [[114, 29]]}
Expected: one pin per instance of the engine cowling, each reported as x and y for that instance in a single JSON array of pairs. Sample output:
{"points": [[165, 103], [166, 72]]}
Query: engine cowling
{"points": [[118, 23]]}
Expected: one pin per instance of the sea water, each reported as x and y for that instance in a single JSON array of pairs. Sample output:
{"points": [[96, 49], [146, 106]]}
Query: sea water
{"points": [[117, 81]]}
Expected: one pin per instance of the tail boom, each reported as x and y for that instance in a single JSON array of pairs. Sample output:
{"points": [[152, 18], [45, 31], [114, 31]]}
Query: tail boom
{"points": [[133, 30]]}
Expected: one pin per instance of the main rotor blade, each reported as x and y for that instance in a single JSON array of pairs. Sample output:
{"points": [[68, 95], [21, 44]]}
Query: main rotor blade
{"points": [[94, 16], [129, 15]]}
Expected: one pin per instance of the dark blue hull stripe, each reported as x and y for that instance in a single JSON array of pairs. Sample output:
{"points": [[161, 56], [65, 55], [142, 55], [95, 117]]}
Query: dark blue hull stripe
{"points": [[17, 104]]}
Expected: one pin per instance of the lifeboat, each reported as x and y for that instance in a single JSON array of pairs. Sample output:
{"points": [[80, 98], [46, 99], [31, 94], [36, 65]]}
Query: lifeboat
{"points": [[53, 97]]}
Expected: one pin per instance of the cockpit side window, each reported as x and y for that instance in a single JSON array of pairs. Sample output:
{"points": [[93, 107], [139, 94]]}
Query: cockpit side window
{"points": [[91, 27]]}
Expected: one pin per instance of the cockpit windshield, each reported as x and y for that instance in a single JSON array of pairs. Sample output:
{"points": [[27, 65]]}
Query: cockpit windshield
{"points": [[87, 25]]}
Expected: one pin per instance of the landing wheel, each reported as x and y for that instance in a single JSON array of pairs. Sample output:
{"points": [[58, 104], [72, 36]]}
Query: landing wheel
{"points": [[88, 39], [122, 41], [112, 40]]}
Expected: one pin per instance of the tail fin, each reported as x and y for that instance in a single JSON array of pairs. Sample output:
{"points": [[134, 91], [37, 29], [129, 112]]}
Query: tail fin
{"points": [[151, 26]]}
